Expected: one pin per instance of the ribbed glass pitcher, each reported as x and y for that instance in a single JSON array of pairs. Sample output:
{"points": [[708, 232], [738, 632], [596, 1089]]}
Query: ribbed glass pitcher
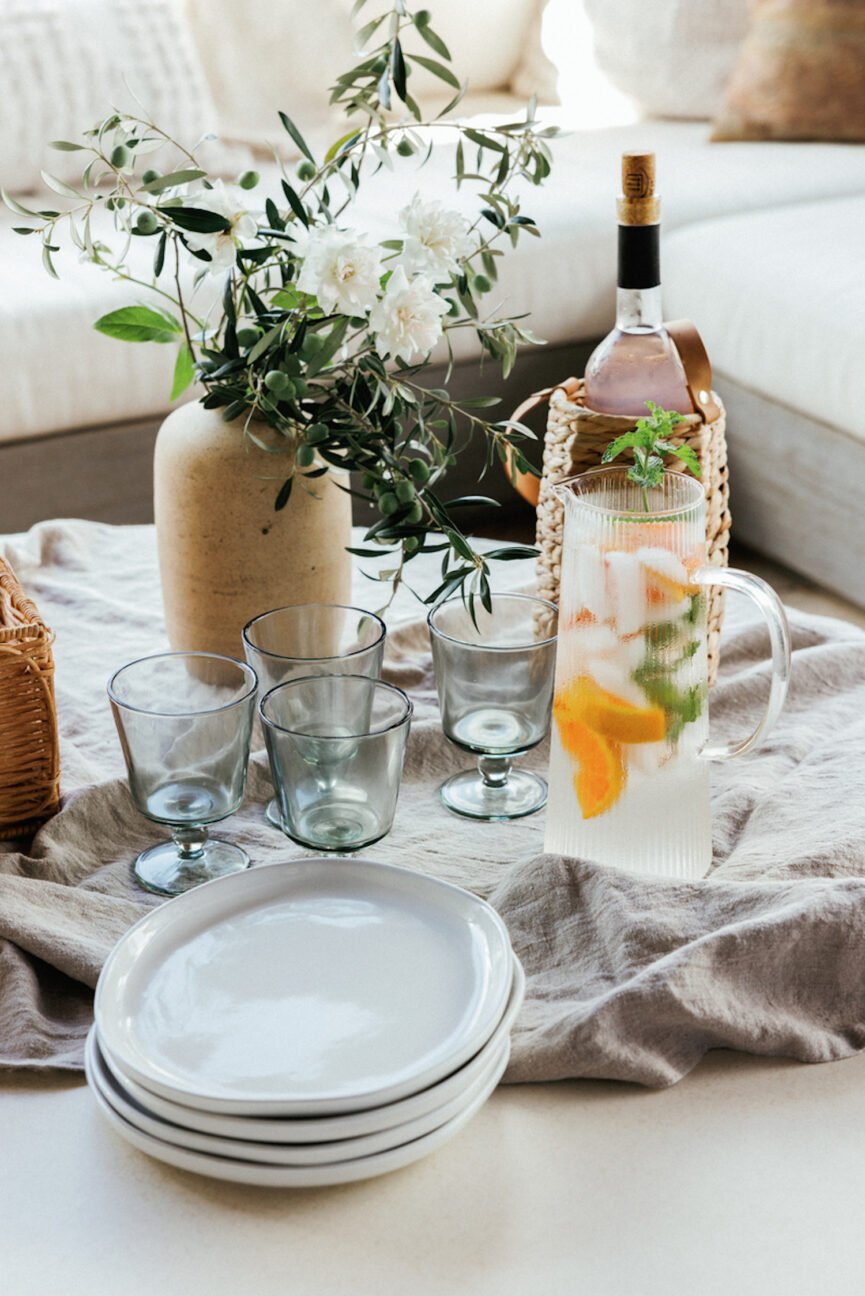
{"points": [[629, 774]]}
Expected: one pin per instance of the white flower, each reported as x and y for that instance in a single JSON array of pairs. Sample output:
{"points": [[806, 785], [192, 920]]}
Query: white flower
{"points": [[407, 320], [434, 239], [340, 271], [230, 203]]}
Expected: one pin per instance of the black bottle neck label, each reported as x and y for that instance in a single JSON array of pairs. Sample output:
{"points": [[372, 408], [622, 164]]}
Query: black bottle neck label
{"points": [[639, 256]]}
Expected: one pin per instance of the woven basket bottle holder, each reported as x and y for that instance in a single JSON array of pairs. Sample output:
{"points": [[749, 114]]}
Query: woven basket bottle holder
{"points": [[576, 438], [29, 752]]}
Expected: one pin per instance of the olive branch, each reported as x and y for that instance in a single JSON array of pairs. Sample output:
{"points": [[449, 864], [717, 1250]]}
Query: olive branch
{"points": [[268, 353]]}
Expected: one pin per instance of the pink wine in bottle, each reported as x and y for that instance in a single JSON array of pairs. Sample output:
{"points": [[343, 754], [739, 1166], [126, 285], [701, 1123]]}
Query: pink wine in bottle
{"points": [[637, 361]]}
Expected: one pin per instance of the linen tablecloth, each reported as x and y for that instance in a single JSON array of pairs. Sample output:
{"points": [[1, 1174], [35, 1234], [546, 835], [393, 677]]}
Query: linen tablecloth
{"points": [[628, 978]]}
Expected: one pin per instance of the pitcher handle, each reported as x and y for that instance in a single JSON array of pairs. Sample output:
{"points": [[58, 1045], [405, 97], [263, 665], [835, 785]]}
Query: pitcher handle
{"points": [[779, 637]]}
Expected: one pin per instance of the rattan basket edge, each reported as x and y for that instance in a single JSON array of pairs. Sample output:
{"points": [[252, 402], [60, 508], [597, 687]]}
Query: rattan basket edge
{"points": [[29, 746]]}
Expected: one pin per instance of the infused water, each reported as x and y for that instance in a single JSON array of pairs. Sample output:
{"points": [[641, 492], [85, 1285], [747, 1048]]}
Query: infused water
{"points": [[628, 786]]}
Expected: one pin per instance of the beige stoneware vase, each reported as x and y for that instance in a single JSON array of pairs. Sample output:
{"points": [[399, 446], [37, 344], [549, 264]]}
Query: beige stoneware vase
{"points": [[225, 555]]}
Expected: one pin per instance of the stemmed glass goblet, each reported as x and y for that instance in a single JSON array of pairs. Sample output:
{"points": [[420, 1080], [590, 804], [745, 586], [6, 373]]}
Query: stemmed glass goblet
{"points": [[494, 674], [185, 720]]}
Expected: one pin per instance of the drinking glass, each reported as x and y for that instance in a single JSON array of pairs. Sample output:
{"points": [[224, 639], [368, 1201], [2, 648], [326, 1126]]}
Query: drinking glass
{"points": [[312, 639], [494, 675], [185, 721], [629, 773], [336, 745]]}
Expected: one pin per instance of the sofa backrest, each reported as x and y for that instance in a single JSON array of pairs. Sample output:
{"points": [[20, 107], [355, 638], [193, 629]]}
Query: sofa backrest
{"points": [[64, 64], [263, 55]]}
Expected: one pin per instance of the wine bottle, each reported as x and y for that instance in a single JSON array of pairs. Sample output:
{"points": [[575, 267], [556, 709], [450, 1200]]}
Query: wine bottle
{"points": [[637, 361]]}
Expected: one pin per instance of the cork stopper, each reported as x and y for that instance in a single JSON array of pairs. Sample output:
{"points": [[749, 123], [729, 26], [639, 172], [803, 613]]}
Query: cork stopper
{"points": [[638, 204]]}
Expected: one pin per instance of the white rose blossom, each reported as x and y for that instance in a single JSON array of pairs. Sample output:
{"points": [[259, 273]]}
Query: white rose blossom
{"points": [[222, 245], [434, 239], [340, 271], [407, 320]]}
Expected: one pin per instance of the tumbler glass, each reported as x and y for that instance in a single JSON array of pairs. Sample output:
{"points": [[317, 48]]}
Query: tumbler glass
{"points": [[312, 639], [494, 675], [336, 745], [184, 720]]}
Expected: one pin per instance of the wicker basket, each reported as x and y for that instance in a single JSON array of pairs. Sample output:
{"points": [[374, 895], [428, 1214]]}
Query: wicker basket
{"points": [[576, 438], [29, 754]]}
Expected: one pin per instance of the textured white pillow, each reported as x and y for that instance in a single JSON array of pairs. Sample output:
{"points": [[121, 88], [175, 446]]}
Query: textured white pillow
{"points": [[262, 55], [64, 64], [673, 57], [489, 42]]}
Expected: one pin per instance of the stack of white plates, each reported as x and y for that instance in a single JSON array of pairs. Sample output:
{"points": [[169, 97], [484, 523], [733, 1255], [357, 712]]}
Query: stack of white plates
{"points": [[306, 1023]]}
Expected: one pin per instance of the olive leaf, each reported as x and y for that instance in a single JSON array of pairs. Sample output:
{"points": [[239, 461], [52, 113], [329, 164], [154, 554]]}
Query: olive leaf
{"points": [[139, 324]]}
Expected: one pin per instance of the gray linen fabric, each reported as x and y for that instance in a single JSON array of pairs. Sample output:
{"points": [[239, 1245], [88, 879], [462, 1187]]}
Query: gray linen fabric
{"points": [[628, 978]]}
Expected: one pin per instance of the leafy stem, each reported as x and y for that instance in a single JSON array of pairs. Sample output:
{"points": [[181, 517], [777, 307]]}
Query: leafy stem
{"points": [[324, 386], [650, 442]]}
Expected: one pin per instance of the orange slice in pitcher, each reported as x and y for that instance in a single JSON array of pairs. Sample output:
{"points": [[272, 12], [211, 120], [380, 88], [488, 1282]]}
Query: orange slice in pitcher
{"points": [[612, 717], [600, 780], [668, 586], [619, 720], [663, 589]]}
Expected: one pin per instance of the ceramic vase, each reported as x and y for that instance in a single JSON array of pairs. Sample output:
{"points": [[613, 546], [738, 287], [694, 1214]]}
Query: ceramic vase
{"points": [[225, 554]]}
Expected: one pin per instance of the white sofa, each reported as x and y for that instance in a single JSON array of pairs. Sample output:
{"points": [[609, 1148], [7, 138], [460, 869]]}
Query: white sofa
{"points": [[764, 247]]}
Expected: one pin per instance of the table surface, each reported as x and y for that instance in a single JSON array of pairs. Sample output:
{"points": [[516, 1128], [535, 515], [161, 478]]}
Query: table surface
{"points": [[747, 1177]]}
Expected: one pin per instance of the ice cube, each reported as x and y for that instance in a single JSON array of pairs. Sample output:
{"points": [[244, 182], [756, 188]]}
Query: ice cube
{"points": [[660, 613], [647, 758], [615, 677], [628, 591], [580, 646], [591, 585], [664, 562]]}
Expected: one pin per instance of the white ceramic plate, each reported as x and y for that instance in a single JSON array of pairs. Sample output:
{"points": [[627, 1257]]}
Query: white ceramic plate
{"points": [[271, 1176], [274, 1129], [310, 987], [284, 1154]]}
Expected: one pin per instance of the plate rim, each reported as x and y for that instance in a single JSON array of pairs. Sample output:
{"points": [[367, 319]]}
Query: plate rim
{"points": [[284, 1154], [315, 1128], [166, 916], [271, 1176]]}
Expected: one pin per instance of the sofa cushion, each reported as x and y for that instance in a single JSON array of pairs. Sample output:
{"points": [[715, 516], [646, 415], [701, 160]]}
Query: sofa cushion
{"points": [[65, 63], [672, 57], [308, 46], [800, 74], [778, 297], [305, 49], [490, 42], [565, 279]]}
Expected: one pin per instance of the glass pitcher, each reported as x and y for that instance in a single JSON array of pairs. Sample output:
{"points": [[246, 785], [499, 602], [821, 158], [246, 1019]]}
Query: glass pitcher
{"points": [[629, 772]]}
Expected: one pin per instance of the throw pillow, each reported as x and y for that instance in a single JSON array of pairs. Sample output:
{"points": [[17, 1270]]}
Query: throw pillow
{"points": [[672, 57], [800, 74], [64, 64], [308, 45], [265, 55]]}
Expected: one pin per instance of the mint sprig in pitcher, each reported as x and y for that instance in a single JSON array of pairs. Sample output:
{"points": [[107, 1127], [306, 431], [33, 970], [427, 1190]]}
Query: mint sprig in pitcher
{"points": [[630, 748]]}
